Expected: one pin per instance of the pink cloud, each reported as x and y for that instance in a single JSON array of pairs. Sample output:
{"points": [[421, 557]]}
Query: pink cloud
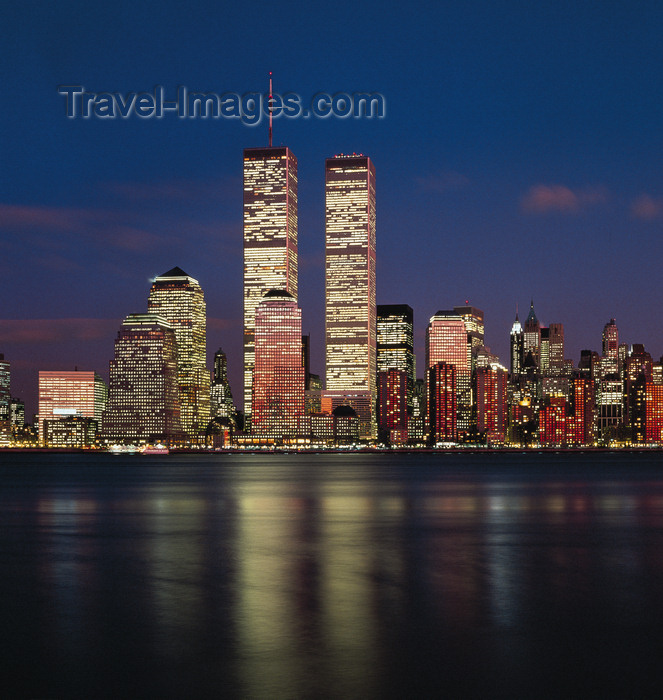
{"points": [[541, 199], [647, 207]]}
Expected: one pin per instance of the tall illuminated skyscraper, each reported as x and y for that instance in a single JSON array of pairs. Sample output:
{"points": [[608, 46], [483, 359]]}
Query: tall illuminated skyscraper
{"points": [[610, 361], [278, 375], [516, 346], [179, 299], [532, 336], [143, 397], [350, 311], [446, 341], [395, 342], [221, 398], [270, 239], [5, 388]]}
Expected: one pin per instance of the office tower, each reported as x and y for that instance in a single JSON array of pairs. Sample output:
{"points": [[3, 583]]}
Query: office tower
{"points": [[63, 394], [395, 342], [556, 349], [532, 336], [610, 403], [5, 388], [446, 341], [639, 364], [143, 397], [221, 398], [17, 413], [179, 299], [553, 421], [416, 424], [654, 414], [442, 402], [580, 423], [350, 312], [516, 344], [610, 362], [270, 239], [474, 325], [492, 410], [544, 353], [278, 375], [392, 403]]}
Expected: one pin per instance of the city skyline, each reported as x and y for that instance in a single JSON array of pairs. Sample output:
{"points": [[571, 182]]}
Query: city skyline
{"points": [[518, 159]]}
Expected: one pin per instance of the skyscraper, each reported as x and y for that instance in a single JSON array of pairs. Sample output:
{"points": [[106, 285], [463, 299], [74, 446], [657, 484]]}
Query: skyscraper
{"points": [[5, 388], [442, 402], [556, 349], [516, 344], [532, 336], [270, 239], [395, 342], [610, 359], [492, 411], [350, 312], [143, 397], [474, 325], [64, 394], [221, 398], [179, 299], [278, 375], [446, 341]]}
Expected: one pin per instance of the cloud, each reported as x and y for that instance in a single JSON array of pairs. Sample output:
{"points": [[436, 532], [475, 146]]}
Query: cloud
{"points": [[177, 190], [442, 182], [56, 330], [647, 207], [542, 199]]}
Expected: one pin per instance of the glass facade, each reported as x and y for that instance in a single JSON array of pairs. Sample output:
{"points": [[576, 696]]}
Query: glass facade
{"points": [[179, 299], [395, 342], [278, 376], [350, 310], [270, 239], [63, 394], [446, 341], [143, 398]]}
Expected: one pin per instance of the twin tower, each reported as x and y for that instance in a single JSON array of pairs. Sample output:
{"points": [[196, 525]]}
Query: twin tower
{"points": [[270, 268]]}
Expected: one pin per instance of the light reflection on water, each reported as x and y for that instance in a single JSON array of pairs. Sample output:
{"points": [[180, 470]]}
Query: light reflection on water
{"points": [[329, 576]]}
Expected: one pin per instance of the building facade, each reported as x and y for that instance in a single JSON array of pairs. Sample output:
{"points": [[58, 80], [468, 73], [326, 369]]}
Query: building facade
{"points": [[143, 397], [350, 310], [395, 342], [270, 239], [178, 298], [278, 375], [63, 394]]}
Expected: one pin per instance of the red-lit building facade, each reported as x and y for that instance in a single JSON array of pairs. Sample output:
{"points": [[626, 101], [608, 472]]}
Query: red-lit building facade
{"points": [[278, 375], [442, 405], [492, 412]]}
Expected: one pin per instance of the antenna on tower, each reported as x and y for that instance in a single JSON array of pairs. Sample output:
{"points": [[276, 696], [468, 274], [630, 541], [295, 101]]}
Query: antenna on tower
{"points": [[270, 108]]}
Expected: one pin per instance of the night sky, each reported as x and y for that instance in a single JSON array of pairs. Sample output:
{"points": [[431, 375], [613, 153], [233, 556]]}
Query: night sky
{"points": [[520, 157]]}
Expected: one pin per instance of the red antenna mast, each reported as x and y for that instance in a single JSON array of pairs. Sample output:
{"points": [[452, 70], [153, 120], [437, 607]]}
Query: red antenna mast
{"points": [[270, 108]]}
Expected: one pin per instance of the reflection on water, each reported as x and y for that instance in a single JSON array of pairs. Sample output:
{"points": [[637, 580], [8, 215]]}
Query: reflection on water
{"points": [[330, 576]]}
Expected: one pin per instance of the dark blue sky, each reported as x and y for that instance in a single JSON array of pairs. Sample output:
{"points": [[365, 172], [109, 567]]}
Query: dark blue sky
{"points": [[520, 158]]}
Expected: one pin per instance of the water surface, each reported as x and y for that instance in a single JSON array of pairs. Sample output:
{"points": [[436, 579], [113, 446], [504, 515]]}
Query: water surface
{"points": [[331, 576]]}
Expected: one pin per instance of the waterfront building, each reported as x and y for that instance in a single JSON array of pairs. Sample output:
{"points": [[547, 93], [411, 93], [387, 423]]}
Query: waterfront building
{"points": [[392, 402], [395, 342], [221, 398], [72, 432], [278, 375], [5, 388], [446, 341], [66, 393], [654, 414], [143, 397], [350, 310], [270, 240], [178, 298], [442, 402], [492, 411]]}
